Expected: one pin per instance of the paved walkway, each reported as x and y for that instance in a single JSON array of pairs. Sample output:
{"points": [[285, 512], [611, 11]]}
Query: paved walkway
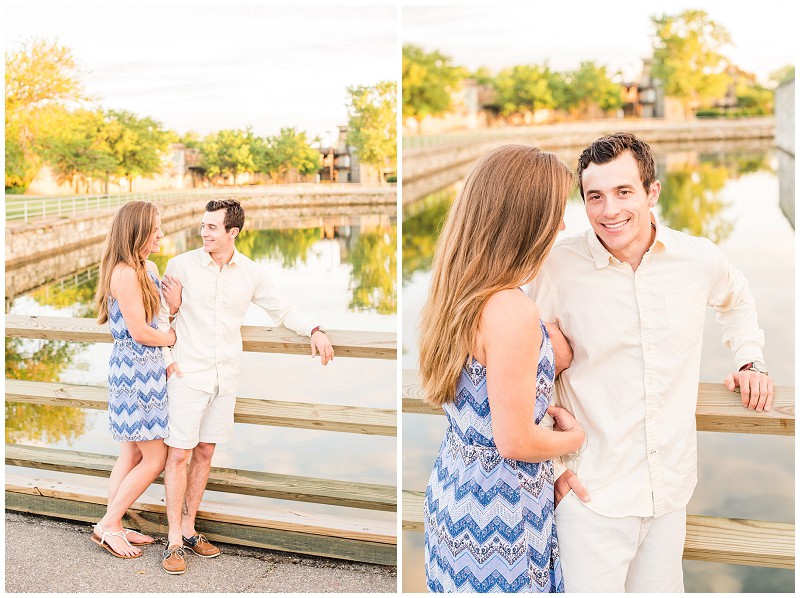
{"points": [[52, 555]]}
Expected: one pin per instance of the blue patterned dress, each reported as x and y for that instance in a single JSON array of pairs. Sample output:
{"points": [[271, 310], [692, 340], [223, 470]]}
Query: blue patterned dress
{"points": [[137, 383], [489, 524]]}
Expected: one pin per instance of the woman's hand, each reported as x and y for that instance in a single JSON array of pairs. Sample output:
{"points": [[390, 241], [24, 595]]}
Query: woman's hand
{"points": [[561, 347], [173, 292], [566, 422], [171, 334]]}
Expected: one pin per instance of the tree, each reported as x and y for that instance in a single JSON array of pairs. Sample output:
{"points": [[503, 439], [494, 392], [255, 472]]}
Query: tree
{"points": [[372, 126], [524, 88], [588, 85], [782, 75], [138, 144], [41, 79], [428, 81], [687, 57], [290, 149], [76, 149], [228, 152]]}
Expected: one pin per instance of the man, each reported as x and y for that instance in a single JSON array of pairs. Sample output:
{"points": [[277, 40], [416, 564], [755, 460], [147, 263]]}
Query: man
{"points": [[631, 296], [203, 368]]}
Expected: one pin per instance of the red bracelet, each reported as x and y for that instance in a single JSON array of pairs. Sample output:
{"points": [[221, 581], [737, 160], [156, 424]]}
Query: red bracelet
{"points": [[315, 329]]}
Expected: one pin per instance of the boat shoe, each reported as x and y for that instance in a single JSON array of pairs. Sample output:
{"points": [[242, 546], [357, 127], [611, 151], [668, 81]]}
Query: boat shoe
{"points": [[200, 545], [173, 561]]}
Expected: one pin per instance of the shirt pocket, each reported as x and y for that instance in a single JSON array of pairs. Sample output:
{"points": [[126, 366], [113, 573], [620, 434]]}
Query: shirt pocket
{"points": [[685, 318]]}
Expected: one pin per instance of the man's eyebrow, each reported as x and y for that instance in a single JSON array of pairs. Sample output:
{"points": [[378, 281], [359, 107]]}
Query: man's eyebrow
{"points": [[617, 188]]}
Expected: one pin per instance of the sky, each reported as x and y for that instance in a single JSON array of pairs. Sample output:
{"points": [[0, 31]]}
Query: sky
{"points": [[206, 68], [614, 33]]}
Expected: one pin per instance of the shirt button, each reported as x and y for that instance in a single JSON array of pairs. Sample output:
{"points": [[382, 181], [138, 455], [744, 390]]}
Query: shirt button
{"points": [[653, 452]]}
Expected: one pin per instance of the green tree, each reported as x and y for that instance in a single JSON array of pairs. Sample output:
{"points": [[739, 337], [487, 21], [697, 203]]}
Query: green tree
{"points": [[138, 144], [228, 152], [372, 125], [588, 85], [76, 149], [524, 88], [291, 246], [291, 149], [783, 74], [41, 78], [428, 82], [421, 230], [687, 57]]}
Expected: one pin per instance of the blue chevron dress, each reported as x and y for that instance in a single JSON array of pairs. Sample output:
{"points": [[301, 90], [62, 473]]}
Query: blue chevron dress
{"points": [[137, 383], [489, 524]]}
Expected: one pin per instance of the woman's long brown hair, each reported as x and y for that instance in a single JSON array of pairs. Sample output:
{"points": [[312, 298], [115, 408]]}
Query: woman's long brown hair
{"points": [[498, 232], [127, 240]]}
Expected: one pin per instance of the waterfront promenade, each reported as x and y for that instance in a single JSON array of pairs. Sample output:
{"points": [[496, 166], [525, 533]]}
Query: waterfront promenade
{"points": [[52, 555]]}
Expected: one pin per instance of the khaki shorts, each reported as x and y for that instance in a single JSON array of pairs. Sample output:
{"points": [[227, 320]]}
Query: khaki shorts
{"points": [[197, 416]]}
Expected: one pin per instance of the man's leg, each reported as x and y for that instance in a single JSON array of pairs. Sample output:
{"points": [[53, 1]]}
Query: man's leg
{"points": [[175, 481], [199, 468], [658, 564], [595, 550]]}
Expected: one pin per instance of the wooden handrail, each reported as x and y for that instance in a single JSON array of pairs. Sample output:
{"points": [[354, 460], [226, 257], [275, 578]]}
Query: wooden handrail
{"points": [[267, 412], [718, 409], [716, 539], [263, 339], [357, 495], [289, 530]]}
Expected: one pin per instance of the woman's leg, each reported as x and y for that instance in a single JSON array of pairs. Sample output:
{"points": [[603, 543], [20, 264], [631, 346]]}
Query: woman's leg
{"points": [[129, 457], [131, 487]]}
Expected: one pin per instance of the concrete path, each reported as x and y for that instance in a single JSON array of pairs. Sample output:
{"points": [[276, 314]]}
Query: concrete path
{"points": [[52, 555]]}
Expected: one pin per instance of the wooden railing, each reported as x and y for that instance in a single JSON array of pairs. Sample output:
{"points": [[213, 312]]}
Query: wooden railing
{"points": [[716, 539], [366, 540]]}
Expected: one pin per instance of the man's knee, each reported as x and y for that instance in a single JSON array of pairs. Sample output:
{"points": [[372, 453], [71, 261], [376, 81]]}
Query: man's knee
{"points": [[203, 451], [177, 457]]}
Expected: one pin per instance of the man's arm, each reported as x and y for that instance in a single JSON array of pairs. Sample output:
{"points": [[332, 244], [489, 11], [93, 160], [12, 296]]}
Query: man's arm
{"points": [[730, 297], [283, 313]]}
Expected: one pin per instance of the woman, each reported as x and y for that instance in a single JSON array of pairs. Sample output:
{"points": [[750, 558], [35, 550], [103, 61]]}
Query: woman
{"points": [[128, 299], [486, 357]]}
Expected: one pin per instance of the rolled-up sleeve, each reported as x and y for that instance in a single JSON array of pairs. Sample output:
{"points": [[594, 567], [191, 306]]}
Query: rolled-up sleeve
{"points": [[735, 310], [282, 312]]}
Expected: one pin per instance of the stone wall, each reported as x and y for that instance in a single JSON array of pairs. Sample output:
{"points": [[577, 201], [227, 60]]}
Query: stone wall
{"points": [[32, 243], [429, 169], [784, 140]]}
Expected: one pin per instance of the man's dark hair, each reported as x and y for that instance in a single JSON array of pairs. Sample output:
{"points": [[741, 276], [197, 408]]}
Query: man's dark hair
{"points": [[610, 147], [234, 212]]}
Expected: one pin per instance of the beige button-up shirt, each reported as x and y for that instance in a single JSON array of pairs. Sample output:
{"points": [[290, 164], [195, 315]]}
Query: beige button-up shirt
{"points": [[636, 338], [214, 303]]}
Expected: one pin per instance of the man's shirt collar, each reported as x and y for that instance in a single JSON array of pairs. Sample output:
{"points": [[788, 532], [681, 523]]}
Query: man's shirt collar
{"points": [[206, 259]]}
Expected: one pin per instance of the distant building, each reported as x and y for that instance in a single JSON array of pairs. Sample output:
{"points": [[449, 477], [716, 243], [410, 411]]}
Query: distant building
{"points": [[340, 163]]}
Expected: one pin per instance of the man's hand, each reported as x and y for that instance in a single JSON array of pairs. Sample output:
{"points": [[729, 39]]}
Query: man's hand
{"points": [[173, 291], [568, 480], [320, 344], [174, 369], [561, 347], [756, 388]]}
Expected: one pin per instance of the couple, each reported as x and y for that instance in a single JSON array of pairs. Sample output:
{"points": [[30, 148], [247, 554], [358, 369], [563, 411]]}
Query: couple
{"points": [[508, 505], [172, 389]]}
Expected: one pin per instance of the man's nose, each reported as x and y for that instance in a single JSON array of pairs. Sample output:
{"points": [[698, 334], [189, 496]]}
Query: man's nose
{"points": [[610, 207]]}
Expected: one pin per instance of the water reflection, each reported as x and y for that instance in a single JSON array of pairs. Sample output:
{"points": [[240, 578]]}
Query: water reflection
{"points": [[352, 258], [374, 260], [41, 361]]}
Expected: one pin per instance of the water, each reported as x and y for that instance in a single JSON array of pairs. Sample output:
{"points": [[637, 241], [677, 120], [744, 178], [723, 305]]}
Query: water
{"points": [[341, 270], [732, 198]]}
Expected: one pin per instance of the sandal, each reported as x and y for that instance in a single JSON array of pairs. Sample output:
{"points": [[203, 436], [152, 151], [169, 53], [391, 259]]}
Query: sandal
{"points": [[101, 541], [128, 531]]}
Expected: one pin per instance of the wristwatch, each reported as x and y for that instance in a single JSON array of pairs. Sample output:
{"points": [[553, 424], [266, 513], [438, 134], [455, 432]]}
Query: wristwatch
{"points": [[756, 366], [317, 329]]}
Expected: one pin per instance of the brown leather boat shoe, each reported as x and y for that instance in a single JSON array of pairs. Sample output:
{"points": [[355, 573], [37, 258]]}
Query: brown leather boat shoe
{"points": [[199, 545], [173, 561]]}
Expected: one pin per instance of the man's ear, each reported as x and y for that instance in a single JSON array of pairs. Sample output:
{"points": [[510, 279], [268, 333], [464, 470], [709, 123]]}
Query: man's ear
{"points": [[653, 193], [234, 231]]}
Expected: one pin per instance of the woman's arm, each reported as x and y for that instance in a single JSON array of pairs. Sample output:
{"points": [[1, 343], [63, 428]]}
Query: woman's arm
{"points": [[510, 339], [125, 288]]}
